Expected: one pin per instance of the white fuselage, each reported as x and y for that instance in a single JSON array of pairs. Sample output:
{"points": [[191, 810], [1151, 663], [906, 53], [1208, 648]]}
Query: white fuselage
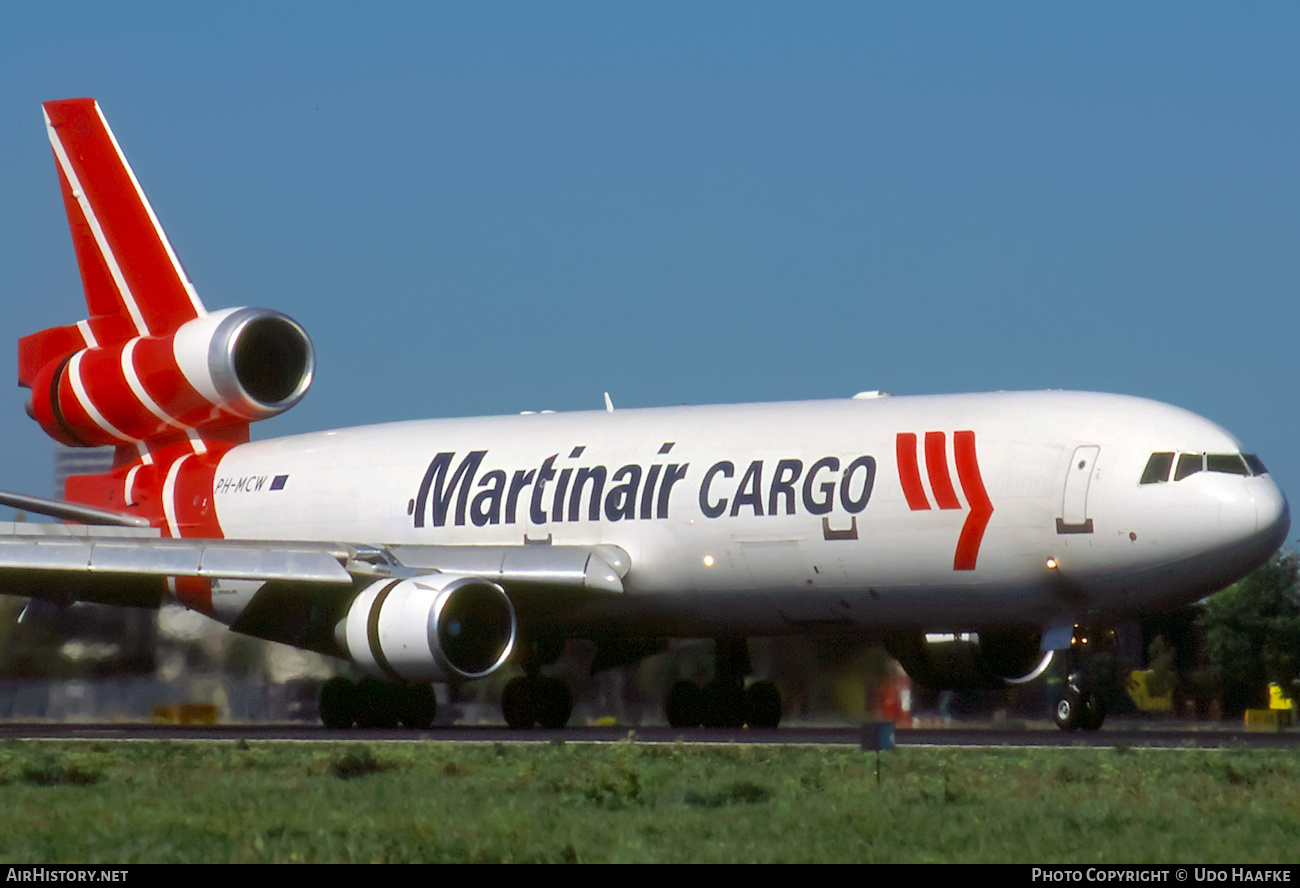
{"points": [[762, 518]]}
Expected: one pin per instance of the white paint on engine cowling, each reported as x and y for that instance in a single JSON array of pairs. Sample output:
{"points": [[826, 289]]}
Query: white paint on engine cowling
{"points": [[431, 628], [253, 362]]}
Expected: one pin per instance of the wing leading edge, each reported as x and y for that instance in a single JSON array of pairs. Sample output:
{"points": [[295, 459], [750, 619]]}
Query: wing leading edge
{"points": [[75, 551]]}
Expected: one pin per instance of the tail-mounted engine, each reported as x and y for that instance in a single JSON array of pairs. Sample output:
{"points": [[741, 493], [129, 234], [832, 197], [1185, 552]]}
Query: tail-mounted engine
{"points": [[431, 628], [229, 367]]}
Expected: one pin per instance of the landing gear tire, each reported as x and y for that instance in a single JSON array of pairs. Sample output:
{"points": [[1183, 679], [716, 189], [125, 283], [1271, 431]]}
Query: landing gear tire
{"points": [[1067, 712], [372, 704], [1094, 712], [1090, 679], [723, 703], [338, 704], [763, 705], [1080, 707], [528, 701], [554, 702], [517, 704], [685, 705], [417, 707]]}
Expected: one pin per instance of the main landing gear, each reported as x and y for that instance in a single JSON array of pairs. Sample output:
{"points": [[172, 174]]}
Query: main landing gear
{"points": [[371, 703], [532, 700], [725, 702]]}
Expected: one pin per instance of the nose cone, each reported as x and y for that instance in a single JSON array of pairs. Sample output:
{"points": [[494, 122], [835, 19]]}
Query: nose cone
{"points": [[1254, 520], [1272, 515], [1229, 527]]}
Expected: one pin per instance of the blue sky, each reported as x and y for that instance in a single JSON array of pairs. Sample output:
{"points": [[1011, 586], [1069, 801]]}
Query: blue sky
{"points": [[493, 207]]}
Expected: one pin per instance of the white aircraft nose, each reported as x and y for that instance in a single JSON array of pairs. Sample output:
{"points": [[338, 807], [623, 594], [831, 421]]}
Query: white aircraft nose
{"points": [[1272, 514], [1248, 521], [1254, 519]]}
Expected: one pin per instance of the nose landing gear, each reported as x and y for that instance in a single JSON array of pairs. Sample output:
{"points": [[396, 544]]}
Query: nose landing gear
{"points": [[1082, 705], [1079, 707]]}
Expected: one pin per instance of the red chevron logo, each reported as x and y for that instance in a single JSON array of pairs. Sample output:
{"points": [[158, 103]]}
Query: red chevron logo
{"points": [[945, 495]]}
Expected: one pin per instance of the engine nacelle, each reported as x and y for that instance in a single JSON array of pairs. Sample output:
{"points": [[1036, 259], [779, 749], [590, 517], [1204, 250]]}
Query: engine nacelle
{"points": [[991, 659], [238, 365], [431, 628]]}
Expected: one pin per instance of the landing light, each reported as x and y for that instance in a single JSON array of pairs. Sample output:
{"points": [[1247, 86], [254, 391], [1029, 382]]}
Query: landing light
{"points": [[1052, 564], [708, 561]]}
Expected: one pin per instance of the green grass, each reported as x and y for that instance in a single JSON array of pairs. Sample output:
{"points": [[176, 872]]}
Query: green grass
{"points": [[92, 802]]}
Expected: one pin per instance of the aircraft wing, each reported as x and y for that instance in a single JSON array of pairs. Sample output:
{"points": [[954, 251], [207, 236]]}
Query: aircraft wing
{"points": [[63, 560], [58, 548], [592, 568]]}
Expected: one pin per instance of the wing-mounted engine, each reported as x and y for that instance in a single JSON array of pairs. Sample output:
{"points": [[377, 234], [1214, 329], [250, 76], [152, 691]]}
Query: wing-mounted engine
{"points": [[429, 628], [227, 368], [990, 659]]}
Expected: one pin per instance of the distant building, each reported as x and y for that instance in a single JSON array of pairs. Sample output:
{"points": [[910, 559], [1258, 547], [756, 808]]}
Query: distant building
{"points": [[80, 640], [79, 461]]}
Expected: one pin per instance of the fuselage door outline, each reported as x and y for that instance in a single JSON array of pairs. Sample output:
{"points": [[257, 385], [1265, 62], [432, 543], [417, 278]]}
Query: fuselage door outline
{"points": [[1074, 500]]}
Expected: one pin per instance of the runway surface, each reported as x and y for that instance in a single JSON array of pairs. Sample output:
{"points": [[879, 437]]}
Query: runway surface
{"points": [[1189, 736]]}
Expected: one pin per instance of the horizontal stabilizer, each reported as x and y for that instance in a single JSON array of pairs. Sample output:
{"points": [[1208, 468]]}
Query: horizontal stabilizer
{"points": [[66, 511]]}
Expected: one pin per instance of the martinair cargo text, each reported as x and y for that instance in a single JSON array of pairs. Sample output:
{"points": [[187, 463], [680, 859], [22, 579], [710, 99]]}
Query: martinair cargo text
{"points": [[443, 550]]}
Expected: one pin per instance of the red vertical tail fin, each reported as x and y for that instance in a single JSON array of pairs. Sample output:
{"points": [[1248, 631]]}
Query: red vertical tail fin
{"points": [[128, 266], [150, 371]]}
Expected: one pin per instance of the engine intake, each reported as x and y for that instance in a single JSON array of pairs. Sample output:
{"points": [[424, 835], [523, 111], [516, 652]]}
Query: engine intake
{"points": [[432, 628], [260, 362]]}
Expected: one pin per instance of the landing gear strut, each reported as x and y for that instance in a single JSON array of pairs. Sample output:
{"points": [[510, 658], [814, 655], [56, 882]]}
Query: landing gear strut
{"points": [[725, 702]]}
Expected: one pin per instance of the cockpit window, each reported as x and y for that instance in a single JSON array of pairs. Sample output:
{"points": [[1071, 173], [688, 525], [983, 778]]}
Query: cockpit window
{"points": [[1189, 464], [1255, 463], [1159, 463], [1228, 463], [1158, 467]]}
